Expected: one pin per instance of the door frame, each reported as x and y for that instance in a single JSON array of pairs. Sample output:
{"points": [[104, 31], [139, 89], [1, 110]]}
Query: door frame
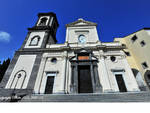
{"points": [[92, 62], [79, 76]]}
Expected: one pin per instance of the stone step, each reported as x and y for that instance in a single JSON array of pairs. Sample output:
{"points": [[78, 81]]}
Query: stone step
{"points": [[103, 97]]}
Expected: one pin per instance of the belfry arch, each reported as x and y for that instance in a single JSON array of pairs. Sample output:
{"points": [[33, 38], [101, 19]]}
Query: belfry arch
{"points": [[84, 75]]}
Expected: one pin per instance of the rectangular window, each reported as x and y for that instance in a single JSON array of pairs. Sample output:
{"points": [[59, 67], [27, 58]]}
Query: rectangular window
{"points": [[142, 43], [121, 83], [50, 83], [134, 38], [144, 65]]}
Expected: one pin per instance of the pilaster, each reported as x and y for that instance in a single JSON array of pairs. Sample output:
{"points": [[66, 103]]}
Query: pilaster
{"points": [[63, 76], [74, 79], [98, 86], [34, 72], [103, 74], [40, 75]]}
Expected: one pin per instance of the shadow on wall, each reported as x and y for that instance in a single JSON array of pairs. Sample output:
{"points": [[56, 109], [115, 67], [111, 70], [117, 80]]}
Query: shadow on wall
{"points": [[139, 80], [147, 78]]}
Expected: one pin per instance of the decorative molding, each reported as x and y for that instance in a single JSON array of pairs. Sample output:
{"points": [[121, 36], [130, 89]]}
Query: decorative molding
{"points": [[52, 71], [86, 23], [38, 39], [118, 70], [40, 28], [18, 76]]}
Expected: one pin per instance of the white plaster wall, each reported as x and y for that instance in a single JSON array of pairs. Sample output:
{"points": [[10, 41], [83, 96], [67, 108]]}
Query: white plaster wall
{"points": [[119, 64], [48, 66], [58, 82], [103, 76], [105, 65], [132, 84], [41, 34], [24, 62], [102, 71], [140, 80], [90, 33]]}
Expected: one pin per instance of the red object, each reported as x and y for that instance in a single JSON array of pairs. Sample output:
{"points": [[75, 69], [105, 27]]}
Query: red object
{"points": [[83, 57]]}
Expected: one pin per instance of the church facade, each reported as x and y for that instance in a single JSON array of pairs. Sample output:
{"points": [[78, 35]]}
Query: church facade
{"points": [[83, 65]]}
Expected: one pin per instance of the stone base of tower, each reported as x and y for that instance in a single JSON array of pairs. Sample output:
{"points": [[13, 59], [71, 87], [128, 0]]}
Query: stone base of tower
{"points": [[13, 95], [103, 97]]}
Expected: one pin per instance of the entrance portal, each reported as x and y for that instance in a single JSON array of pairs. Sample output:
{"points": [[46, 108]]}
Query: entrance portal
{"points": [[84, 72], [84, 79]]}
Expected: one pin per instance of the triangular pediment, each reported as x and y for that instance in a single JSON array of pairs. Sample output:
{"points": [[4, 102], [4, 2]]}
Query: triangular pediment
{"points": [[81, 22]]}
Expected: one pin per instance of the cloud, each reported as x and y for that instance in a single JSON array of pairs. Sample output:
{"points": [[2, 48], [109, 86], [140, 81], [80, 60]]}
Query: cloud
{"points": [[4, 36]]}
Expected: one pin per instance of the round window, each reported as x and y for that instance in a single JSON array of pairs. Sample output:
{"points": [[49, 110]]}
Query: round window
{"points": [[53, 60], [82, 39], [113, 59]]}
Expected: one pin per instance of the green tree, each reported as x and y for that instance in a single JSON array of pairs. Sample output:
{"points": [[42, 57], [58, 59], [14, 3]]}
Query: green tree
{"points": [[3, 68]]}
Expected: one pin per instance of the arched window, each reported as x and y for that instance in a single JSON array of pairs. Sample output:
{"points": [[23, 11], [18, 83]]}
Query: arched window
{"points": [[34, 41], [82, 39], [18, 80], [43, 21]]}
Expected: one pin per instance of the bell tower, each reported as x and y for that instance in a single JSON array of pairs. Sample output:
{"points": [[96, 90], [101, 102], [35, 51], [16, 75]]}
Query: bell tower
{"points": [[43, 33], [24, 67]]}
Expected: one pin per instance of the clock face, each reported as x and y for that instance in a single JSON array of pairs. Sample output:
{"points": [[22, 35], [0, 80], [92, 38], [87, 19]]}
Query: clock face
{"points": [[82, 39]]}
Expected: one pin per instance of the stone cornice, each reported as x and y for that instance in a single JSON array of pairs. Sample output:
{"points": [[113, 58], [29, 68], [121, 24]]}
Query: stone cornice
{"points": [[40, 28], [65, 48], [116, 47], [43, 28], [87, 23]]}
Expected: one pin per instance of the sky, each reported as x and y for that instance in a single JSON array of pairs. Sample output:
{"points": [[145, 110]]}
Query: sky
{"points": [[115, 18]]}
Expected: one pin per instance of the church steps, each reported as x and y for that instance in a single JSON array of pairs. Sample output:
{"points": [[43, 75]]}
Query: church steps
{"points": [[104, 97]]}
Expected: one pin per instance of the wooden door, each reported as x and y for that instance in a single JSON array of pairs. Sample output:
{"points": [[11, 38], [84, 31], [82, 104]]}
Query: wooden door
{"points": [[84, 79]]}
